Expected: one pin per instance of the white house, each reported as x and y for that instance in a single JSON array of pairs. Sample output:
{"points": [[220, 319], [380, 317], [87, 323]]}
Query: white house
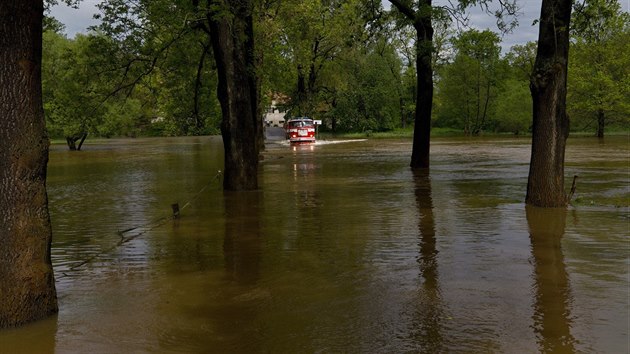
{"points": [[274, 116]]}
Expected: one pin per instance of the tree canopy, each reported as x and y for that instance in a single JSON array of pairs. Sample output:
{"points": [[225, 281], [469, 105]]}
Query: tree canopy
{"points": [[148, 69], [599, 82]]}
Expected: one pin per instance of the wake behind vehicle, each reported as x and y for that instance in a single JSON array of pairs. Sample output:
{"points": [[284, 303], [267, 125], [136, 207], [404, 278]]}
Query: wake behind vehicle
{"points": [[300, 130]]}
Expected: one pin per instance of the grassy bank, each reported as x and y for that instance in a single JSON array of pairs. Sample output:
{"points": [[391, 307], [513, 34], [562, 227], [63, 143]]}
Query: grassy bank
{"points": [[442, 132]]}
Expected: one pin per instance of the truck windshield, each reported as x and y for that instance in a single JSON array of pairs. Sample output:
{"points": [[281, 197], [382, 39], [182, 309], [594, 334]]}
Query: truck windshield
{"points": [[300, 124]]}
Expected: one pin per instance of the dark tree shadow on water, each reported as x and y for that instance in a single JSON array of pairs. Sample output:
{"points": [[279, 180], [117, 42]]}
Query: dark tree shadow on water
{"points": [[238, 309], [35, 337], [552, 318], [427, 329], [242, 243]]}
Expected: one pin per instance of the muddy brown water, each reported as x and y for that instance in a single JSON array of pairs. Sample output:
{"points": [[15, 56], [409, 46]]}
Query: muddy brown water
{"points": [[344, 249]]}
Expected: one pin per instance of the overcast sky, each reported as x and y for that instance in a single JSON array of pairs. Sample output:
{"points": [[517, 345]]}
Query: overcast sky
{"points": [[77, 20]]}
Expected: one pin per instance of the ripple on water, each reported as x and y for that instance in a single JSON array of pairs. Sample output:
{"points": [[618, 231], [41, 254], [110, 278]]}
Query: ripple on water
{"points": [[344, 249]]}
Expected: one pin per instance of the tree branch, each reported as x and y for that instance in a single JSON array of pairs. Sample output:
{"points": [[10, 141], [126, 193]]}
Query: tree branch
{"points": [[404, 9]]}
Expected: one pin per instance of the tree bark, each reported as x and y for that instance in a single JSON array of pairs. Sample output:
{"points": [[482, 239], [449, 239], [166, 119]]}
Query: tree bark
{"points": [[424, 54], [545, 185], [27, 286], [233, 45], [601, 123], [199, 123], [421, 20], [302, 94], [72, 141]]}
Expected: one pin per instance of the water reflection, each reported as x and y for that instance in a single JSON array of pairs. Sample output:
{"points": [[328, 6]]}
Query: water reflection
{"points": [[338, 252], [242, 254], [428, 325], [41, 337], [242, 242], [552, 305]]}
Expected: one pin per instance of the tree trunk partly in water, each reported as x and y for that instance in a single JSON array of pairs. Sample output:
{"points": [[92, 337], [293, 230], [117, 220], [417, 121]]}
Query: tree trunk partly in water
{"points": [[72, 141], [233, 45], [545, 185], [601, 123], [27, 286], [421, 19], [422, 127]]}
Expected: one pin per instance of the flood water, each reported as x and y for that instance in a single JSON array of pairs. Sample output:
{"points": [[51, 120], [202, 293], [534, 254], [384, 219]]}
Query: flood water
{"points": [[343, 250]]}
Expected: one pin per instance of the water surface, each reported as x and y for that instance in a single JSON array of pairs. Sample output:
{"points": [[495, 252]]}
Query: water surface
{"points": [[343, 249]]}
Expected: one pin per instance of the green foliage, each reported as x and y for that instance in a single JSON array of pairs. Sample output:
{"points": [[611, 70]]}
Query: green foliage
{"points": [[514, 108], [148, 69], [470, 84], [79, 95], [367, 100], [121, 119], [520, 59], [314, 34], [599, 83], [514, 103], [71, 103]]}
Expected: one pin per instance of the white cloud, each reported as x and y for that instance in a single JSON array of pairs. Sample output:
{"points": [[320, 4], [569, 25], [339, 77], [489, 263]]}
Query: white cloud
{"points": [[76, 20], [529, 10]]}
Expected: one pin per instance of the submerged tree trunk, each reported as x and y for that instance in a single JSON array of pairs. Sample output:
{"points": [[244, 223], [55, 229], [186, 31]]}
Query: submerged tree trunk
{"points": [[72, 141], [545, 185], [424, 53], [27, 286], [601, 123], [233, 45]]}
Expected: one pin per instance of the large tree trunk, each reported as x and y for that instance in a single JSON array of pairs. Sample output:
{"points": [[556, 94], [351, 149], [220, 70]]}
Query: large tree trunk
{"points": [[424, 102], [233, 44], [27, 286], [424, 79], [302, 95], [545, 185]]}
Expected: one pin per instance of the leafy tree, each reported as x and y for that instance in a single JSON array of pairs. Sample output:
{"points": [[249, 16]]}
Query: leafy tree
{"points": [[402, 38], [514, 103], [163, 48], [77, 92], [147, 34], [121, 118], [314, 33], [185, 86], [550, 130], [421, 15], [599, 83], [514, 108], [470, 85], [232, 34], [27, 285], [364, 98], [520, 59], [70, 88]]}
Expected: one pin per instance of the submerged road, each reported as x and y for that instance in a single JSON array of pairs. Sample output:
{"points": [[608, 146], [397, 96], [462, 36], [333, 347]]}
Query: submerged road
{"points": [[274, 133]]}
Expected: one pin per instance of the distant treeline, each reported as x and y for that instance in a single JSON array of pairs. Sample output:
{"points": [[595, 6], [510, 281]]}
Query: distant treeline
{"points": [[150, 72]]}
